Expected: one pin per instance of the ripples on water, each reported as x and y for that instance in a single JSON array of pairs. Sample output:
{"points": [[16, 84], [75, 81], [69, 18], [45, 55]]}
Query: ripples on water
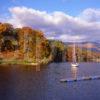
{"points": [[25, 83]]}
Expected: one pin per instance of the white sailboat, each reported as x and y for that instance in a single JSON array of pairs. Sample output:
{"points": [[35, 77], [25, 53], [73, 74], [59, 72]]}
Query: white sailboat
{"points": [[74, 62]]}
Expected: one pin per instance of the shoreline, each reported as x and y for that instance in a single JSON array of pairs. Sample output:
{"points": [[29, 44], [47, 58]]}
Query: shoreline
{"points": [[44, 61]]}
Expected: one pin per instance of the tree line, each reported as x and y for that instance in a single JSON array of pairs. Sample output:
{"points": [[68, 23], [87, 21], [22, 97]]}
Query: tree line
{"points": [[31, 45]]}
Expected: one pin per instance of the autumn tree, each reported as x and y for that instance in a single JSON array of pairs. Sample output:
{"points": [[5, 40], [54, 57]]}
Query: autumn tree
{"points": [[6, 34]]}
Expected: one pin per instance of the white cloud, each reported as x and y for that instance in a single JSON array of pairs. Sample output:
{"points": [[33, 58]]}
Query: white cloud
{"points": [[65, 37], [91, 15], [58, 25]]}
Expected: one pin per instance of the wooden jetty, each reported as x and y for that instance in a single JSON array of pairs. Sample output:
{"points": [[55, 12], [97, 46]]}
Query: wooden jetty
{"points": [[80, 79]]}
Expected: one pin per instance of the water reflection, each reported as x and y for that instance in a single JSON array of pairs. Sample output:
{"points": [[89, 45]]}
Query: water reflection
{"points": [[74, 71], [38, 68]]}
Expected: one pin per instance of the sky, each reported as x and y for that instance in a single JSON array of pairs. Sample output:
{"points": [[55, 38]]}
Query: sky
{"points": [[65, 20]]}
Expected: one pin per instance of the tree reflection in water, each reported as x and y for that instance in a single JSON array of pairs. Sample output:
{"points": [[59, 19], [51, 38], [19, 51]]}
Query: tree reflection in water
{"points": [[38, 68]]}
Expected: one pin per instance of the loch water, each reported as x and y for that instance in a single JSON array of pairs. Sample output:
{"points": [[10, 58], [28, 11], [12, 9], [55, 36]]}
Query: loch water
{"points": [[27, 83]]}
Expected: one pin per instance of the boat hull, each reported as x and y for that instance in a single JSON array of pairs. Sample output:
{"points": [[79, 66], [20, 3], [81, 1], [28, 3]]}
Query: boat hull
{"points": [[74, 64]]}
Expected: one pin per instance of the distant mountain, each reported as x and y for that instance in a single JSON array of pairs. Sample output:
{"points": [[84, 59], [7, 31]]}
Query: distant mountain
{"points": [[93, 46]]}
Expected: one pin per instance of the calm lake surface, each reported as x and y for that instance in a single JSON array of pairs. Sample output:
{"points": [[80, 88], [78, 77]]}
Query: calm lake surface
{"points": [[25, 83]]}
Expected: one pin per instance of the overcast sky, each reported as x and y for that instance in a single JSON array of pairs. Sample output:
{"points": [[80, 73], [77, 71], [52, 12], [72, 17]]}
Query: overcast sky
{"points": [[66, 20]]}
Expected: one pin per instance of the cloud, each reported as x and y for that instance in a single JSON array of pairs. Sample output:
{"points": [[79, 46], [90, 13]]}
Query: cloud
{"points": [[91, 15], [59, 25]]}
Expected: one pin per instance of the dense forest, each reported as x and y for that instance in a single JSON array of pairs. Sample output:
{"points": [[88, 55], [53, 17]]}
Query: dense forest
{"points": [[26, 45]]}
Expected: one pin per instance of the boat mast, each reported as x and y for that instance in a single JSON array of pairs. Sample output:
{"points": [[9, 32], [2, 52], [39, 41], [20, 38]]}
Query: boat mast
{"points": [[74, 53]]}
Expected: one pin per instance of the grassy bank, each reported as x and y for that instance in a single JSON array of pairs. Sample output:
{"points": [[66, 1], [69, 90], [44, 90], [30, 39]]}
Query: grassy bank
{"points": [[33, 62]]}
